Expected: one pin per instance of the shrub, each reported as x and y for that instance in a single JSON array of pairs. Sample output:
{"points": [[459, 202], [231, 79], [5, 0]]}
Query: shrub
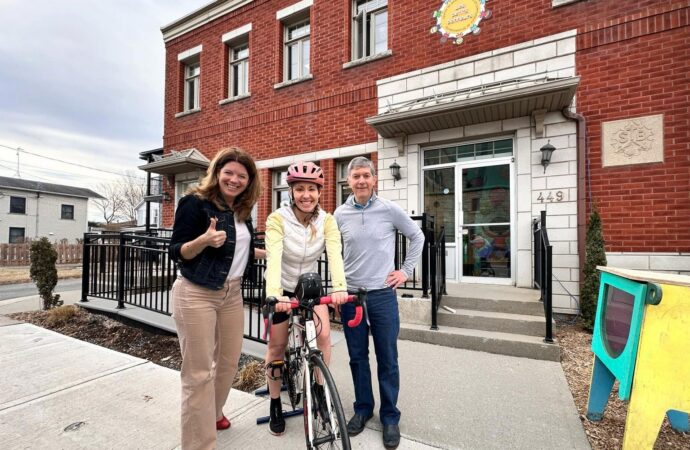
{"points": [[595, 255], [43, 271], [60, 315]]}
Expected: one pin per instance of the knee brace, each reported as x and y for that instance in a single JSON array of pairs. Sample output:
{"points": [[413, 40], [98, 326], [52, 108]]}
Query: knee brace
{"points": [[274, 369]]}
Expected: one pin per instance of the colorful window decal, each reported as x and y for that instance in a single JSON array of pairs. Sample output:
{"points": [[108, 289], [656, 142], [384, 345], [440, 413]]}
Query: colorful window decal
{"points": [[457, 18]]}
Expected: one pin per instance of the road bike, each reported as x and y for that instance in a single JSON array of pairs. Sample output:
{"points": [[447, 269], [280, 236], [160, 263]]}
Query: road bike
{"points": [[304, 371]]}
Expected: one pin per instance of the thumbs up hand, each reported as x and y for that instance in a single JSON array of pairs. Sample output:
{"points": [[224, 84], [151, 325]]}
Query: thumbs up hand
{"points": [[214, 238]]}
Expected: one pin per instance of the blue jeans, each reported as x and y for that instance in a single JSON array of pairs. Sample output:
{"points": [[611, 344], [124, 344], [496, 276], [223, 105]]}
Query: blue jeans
{"points": [[384, 320]]}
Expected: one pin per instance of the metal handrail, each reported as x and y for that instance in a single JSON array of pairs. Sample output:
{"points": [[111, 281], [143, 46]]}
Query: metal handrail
{"points": [[543, 271]]}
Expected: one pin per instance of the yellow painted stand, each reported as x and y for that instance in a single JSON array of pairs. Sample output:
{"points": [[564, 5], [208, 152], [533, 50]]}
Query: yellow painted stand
{"points": [[662, 371], [661, 384]]}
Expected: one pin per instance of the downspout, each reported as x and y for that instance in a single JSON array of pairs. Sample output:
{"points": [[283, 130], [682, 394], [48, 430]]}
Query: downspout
{"points": [[38, 196], [581, 185]]}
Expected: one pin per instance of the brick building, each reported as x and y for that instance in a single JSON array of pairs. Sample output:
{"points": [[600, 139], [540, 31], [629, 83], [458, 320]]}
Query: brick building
{"points": [[463, 95]]}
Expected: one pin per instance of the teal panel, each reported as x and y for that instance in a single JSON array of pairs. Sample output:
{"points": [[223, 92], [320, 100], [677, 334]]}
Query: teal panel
{"points": [[619, 360]]}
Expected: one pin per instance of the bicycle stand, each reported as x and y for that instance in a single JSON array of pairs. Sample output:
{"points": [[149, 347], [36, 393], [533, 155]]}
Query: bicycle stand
{"points": [[286, 414]]}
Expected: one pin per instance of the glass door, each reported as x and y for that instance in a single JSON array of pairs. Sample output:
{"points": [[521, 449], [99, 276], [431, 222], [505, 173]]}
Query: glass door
{"points": [[484, 222]]}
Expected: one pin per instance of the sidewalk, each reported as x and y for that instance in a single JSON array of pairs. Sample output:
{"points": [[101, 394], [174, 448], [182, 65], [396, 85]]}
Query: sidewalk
{"points": [[57, 392]]}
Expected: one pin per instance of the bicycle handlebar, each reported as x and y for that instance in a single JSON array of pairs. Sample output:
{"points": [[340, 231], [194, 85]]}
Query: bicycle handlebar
{"points": [[358, 299]]}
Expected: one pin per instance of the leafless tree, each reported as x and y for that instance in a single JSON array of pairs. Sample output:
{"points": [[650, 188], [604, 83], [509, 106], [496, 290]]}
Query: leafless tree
{"points": [[121, 198]]}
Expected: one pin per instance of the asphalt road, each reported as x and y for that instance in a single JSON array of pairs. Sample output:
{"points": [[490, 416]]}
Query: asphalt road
{"points": [[10, 291]]}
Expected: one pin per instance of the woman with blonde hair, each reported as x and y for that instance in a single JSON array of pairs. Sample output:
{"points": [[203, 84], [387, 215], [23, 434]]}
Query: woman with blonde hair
{"points": [[212, 245]]}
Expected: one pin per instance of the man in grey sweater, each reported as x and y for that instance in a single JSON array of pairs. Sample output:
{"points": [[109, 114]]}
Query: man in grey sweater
{"points": [[368, 226]]}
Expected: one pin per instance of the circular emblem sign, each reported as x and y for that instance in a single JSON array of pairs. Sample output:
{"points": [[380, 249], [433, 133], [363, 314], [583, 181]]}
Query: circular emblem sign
{"points": [[457, 18]]}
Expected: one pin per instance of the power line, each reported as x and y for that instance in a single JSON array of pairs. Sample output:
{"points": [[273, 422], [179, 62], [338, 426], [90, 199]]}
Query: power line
{"points": [[18, 149]]}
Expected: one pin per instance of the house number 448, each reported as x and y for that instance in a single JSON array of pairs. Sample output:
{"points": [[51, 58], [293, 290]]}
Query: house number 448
{"points": [[551, 196]]}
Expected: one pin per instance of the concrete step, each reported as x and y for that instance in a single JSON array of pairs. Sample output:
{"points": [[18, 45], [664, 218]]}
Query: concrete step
{"points": [[485, 341], [493, 321], [499, 305]]}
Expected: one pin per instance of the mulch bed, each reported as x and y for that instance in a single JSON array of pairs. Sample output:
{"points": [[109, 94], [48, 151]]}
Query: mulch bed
{"points": [[577, 360]]}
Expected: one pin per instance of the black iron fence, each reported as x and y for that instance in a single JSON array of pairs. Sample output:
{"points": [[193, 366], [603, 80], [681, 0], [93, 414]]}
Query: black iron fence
{"points": [[543, 254], [135, 268]]}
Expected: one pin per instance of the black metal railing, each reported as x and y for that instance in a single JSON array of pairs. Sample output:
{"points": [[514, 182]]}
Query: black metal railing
{"points": [[543, 276], [437, 271], [135, 268]]}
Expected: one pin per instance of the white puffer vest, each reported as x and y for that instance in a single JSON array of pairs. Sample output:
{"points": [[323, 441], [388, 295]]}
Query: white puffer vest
{"points": [[301, 250]]}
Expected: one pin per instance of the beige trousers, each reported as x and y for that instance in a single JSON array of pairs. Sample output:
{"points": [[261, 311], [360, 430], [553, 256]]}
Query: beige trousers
{"points": [[210, 327]]}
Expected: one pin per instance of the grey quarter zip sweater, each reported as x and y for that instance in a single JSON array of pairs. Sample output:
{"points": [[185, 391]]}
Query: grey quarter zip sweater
{"points": [[369, 241]]}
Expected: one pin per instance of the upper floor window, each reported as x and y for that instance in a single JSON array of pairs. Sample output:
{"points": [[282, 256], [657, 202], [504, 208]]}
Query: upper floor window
{"points": [[239, 70], [369, 28], [17, 205], [16, 235], [67, 212], [190, 61], [296, 50], [192, 82]]}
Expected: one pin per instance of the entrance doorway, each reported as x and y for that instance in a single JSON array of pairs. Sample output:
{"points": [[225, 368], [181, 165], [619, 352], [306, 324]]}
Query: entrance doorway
{"points": [[470, 194]]}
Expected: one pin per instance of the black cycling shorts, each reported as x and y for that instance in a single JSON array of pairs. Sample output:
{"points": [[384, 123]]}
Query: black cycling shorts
{"points": [[281, 317]]}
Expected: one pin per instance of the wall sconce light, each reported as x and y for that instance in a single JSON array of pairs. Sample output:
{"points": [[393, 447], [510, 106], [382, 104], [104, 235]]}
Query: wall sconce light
{"points": [[546, 152], [395, 171], [166, 196]]}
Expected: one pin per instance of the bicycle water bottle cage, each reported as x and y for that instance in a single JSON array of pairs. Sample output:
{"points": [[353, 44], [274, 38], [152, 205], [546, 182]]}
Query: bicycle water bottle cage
{"points": [[308, 286], [273, 367]]}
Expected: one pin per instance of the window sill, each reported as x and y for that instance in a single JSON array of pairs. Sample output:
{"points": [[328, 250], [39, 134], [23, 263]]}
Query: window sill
{"points": [[225, 101], [367, 59], [291, 82], [557, 3], [186, 113]]}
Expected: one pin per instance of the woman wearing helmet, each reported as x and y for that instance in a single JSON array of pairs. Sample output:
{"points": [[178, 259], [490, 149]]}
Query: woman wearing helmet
{"points": [[296, 236]]}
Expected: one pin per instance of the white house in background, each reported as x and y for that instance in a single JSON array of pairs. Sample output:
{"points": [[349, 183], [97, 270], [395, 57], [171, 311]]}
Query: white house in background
{"points": [[155, 217], [33, 209]]}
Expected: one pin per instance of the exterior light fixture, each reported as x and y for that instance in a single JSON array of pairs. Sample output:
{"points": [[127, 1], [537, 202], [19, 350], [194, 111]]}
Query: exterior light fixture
{"points": [[546, 152], [166, 196], [395, 171]]}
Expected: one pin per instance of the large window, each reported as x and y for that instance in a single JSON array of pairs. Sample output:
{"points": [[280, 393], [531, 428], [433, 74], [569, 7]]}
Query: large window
{"points": [[17, 205], [239, 70], [280, 189], [192, 84], [67, 212], [296, 50], [16, 235], [343, 189], [369, 28]]}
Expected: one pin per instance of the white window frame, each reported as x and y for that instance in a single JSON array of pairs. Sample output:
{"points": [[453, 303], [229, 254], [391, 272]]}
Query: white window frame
{"points": [[241, 63], [23, 237], [62, 211], [279, 185], [16, 197], [192, 85], [299, 42], [341, 180], [366, 47]]}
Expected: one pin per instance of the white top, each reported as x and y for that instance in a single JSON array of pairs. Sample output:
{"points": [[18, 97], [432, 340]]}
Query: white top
{"points": [[242, 248]]}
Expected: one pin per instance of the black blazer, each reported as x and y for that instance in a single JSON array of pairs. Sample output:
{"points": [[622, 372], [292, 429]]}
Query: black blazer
{"points": [[209, 268]]}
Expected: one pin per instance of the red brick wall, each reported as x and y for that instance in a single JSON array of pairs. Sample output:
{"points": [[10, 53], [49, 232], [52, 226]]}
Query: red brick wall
{"points": [[634, 69], [629, 65]]}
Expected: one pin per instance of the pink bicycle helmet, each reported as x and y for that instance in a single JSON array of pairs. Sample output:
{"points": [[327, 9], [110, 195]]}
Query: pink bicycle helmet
{"points": [[305, 171]]}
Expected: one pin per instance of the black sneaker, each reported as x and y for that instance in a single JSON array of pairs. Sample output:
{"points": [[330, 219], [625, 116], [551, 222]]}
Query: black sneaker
{"points": [[276, 423], [391, 436], [356, 424]]}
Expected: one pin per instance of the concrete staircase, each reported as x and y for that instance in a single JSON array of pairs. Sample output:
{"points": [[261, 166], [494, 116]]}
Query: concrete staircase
{"points": [[494, 319]]}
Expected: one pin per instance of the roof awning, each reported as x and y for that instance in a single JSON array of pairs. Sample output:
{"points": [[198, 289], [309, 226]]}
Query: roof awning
{"points": [[177, 162], [487, 103]]}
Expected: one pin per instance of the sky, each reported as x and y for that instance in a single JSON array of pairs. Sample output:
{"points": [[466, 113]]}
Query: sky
{"points": [[82, 81]]}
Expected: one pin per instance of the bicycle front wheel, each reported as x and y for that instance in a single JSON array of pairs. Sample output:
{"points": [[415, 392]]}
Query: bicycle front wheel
{"points": [[324, 419]]}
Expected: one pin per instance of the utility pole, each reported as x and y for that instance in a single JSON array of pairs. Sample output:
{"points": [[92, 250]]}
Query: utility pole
{"points": [[18, 174]]}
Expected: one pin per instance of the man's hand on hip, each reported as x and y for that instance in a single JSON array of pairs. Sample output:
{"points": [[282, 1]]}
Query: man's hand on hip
{"points": [[395, 279]]}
